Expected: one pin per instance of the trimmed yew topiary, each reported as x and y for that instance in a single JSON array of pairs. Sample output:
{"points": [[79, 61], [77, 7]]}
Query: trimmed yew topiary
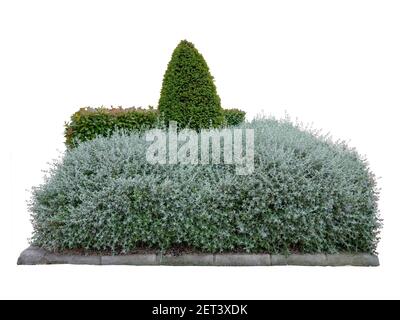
{"points": [[188, 94]]}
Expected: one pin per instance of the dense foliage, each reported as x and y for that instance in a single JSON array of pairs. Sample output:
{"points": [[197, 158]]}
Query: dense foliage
{"points": [[234, 117], [307, 194], [87, 123], [188, 94]]}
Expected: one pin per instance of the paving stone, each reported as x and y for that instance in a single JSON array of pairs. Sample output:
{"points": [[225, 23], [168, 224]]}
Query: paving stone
{"points": [[242, 260], [307, 260], [360, 259], [278, 260], [52, 258], [187, 260], [134, 260], [32, 256]]}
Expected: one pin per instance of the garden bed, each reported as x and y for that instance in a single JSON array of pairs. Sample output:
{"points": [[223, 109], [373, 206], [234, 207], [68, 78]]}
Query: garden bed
{"points": [[38, 256], [194, 175]]}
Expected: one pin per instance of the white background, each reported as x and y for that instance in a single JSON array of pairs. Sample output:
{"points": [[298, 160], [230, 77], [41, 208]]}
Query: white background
{"points": [[333, 63]]}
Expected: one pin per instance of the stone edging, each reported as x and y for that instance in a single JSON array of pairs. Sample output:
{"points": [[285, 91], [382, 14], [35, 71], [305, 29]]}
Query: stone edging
{"points": [[37, 256]]}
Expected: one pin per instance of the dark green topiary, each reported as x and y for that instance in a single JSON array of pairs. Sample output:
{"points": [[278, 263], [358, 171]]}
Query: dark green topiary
{"points": [[188, 94]]}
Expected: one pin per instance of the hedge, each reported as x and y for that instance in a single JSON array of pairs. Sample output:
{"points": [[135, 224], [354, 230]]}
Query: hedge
{"points": [[87, 123], [188, 94], [234, 117], [307, 194]]}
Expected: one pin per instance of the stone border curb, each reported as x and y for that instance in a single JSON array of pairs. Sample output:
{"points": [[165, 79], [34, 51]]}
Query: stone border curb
{"points": [[38, 256]]}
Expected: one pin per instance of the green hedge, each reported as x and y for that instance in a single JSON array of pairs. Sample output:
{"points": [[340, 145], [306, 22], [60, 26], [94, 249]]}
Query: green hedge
{"points": [[188, 94], [87, 123], [234, 117]]}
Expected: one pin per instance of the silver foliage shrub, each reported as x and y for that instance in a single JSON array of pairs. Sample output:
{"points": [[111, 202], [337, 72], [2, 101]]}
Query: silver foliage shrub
{"points": [[307, 194]]}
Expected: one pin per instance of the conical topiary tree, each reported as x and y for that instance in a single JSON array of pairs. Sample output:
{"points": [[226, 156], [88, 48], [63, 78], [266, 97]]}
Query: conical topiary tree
{"points": [[188, 94]]}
